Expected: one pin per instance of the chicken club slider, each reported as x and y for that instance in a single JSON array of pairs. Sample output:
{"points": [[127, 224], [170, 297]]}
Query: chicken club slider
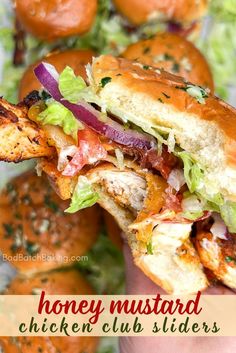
{"points": [[156, 151]]}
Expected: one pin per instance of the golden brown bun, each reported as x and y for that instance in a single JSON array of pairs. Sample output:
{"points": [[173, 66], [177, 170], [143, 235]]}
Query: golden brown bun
{"points": [[76, 59], [154, 99], [33, 223], [49, 344], [67, 282], [174, 54], [53, 19], [139, 11], [113, 230], [63, 282]]}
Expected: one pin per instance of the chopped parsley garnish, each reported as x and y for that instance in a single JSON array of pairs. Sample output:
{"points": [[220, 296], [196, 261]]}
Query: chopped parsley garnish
{"points": [[149, 248], [146, 67], [105, 81], [50, 203], [32, 248], [160, 100], [175, 67], [146, 50], [197, 92], [166, 95], [230, 259], [168, 56], [8, 229]]}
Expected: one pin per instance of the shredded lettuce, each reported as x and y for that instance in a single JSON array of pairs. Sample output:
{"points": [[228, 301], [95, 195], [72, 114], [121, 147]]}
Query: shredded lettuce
{"points": [[74, 89], [197, 184], [70, 85], [84, 196], [192, 172], [57, 114], [228, 214]]}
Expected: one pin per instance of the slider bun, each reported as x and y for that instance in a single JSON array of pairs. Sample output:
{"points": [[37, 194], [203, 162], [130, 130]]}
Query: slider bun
{"points": [[154, 99], [64, 282], [33, 223], [72, 344], [67, 282], [76, 59], [139, 11], [53, 19], [174, 54]]}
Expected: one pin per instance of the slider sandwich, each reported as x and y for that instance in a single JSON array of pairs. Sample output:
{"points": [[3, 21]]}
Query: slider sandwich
{"points": [[156, 151], [181, 16]]}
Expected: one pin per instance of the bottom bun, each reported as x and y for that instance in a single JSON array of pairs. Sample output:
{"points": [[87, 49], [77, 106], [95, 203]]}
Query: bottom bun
{"points": [[174, 264]]}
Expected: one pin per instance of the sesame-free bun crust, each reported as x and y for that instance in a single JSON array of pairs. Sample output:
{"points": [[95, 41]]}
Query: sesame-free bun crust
{"points": [[174, 54], [53, 19], [156, 100], [33, 223], [66, 282], [76, 59], [139, 11]]}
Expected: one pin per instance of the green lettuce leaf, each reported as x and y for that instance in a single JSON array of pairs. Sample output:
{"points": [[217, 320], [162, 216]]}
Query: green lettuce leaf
{"points": [[192, 216], [228, 214], [83, 196], [192, 172], [70, 86], [57, 114]]}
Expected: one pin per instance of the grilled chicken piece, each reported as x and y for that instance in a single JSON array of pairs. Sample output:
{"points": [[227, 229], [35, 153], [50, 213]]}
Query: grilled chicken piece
{"points": [[20, 138], [219, 256], [173, 262]]}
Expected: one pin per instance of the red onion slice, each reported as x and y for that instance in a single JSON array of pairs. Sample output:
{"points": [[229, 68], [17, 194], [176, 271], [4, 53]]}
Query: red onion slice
{"points": [[48, 77]]}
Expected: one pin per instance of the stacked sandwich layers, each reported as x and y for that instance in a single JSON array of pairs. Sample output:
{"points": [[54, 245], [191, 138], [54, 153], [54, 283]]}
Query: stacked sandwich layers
{"points": [[157, 153]]}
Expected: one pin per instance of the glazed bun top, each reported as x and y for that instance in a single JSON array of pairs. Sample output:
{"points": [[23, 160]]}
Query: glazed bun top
{"points": [[63, 282], [53, 19], [66, 282], [36, 234], [63, 344], [157, 101], [139, 11], [174, 54], [76, 59]]}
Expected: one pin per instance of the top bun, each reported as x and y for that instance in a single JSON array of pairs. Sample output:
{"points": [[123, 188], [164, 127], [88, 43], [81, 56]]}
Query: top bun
{"points": [[155, 100], [53, 19], [35, 233], [174, 54], [76, 59], [139, 11]]}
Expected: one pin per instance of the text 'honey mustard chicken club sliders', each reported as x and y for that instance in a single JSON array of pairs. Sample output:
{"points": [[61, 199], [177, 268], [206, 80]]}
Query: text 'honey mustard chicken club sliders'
{"points": [[155, 151]]}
